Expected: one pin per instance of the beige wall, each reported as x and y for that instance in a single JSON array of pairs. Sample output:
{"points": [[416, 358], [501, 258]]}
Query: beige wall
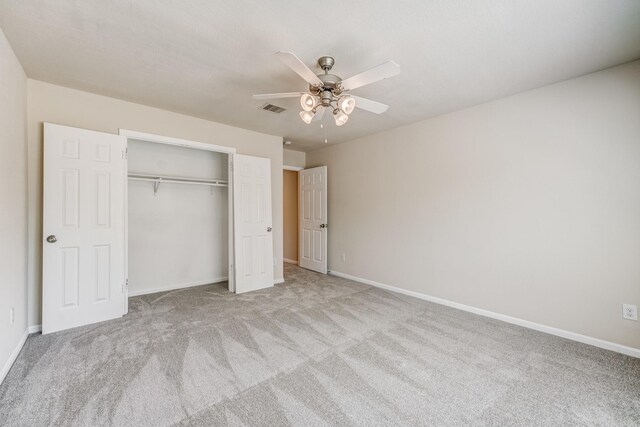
{"points": [[290, 214], [527, 206], [294, 158], [13, 202], [50, 103]]}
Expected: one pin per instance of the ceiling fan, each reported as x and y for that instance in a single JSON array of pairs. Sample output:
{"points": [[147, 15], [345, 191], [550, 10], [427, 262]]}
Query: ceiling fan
{"points": [[328, 91]]}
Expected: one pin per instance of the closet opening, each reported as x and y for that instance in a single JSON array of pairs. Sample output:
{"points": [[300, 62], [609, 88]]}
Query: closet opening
{"points": [[290, 214], [179, 230]]}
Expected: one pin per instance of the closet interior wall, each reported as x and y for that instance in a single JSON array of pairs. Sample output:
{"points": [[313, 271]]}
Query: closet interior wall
{"points": [[177, 237]]}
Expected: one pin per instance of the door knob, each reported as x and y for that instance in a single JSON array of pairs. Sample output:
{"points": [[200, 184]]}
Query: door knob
{"points": [[323, 225], [269, 229], [52, 239]]}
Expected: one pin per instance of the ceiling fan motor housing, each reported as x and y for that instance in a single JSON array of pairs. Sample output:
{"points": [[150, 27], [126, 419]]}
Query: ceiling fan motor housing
{"points": [[330, 82], [326, 96], [329, 90]]}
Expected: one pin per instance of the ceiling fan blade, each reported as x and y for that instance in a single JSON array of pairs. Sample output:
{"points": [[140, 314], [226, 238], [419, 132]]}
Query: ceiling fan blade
{"points": [[319, 114], [299, 67], [277, 95], [372, 75], [369, 105]]}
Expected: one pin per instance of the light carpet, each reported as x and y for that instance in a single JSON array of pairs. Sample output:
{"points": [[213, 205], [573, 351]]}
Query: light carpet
{"points": [[316, 350]]}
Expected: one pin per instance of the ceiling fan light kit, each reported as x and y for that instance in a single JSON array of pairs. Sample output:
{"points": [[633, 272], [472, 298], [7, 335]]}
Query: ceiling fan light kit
{"points": [[328, 90]]}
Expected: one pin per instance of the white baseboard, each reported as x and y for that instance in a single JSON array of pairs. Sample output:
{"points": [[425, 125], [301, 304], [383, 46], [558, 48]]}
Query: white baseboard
{"points": [[174, 287], [34, 328], [596, 342], [14, 355], [278, 281], [290, 261]]}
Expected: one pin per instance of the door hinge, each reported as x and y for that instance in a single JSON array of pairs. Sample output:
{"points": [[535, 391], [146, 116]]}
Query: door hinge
{"points": [[125, 153], [125, 285], [231, 166]]}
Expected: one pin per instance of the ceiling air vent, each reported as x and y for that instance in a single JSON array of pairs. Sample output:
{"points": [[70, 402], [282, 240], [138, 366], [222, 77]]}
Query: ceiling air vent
{"points": [[273, 108]]}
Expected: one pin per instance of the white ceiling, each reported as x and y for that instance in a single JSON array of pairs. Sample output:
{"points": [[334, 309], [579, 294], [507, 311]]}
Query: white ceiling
{"points": [[205, 58]]}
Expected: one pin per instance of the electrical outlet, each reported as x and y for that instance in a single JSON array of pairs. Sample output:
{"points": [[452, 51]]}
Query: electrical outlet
{"points": [[12, 316], [630, 311], [343, 257]]}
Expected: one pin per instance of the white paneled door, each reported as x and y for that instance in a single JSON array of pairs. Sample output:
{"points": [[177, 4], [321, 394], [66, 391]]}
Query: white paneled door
{"points": [[83, 227], [312, 233], [252, 223]]}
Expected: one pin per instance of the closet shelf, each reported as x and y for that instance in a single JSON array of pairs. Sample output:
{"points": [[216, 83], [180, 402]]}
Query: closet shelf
{"points": [[157, 179]]}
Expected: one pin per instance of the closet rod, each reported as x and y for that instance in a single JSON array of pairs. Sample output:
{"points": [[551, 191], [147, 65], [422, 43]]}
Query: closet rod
{"points": [[176, 180]]}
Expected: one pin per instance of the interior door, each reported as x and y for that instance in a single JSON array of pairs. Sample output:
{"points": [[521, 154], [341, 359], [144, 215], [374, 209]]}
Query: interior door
{"points": [[313, 219], [252, 223], [83, 227]]}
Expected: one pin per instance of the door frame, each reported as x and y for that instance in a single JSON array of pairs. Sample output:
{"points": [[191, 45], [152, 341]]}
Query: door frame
{"points": [[293, 169], [160, 139]]}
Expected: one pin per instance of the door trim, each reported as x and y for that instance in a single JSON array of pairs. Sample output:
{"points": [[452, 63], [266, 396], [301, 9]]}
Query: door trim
{"points": [[150, 137]]}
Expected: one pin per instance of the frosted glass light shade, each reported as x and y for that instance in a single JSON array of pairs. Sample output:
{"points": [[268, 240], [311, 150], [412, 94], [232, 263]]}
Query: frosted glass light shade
{"points": [[340, 117], [307, 116], [307, 101], [347, 104]]}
